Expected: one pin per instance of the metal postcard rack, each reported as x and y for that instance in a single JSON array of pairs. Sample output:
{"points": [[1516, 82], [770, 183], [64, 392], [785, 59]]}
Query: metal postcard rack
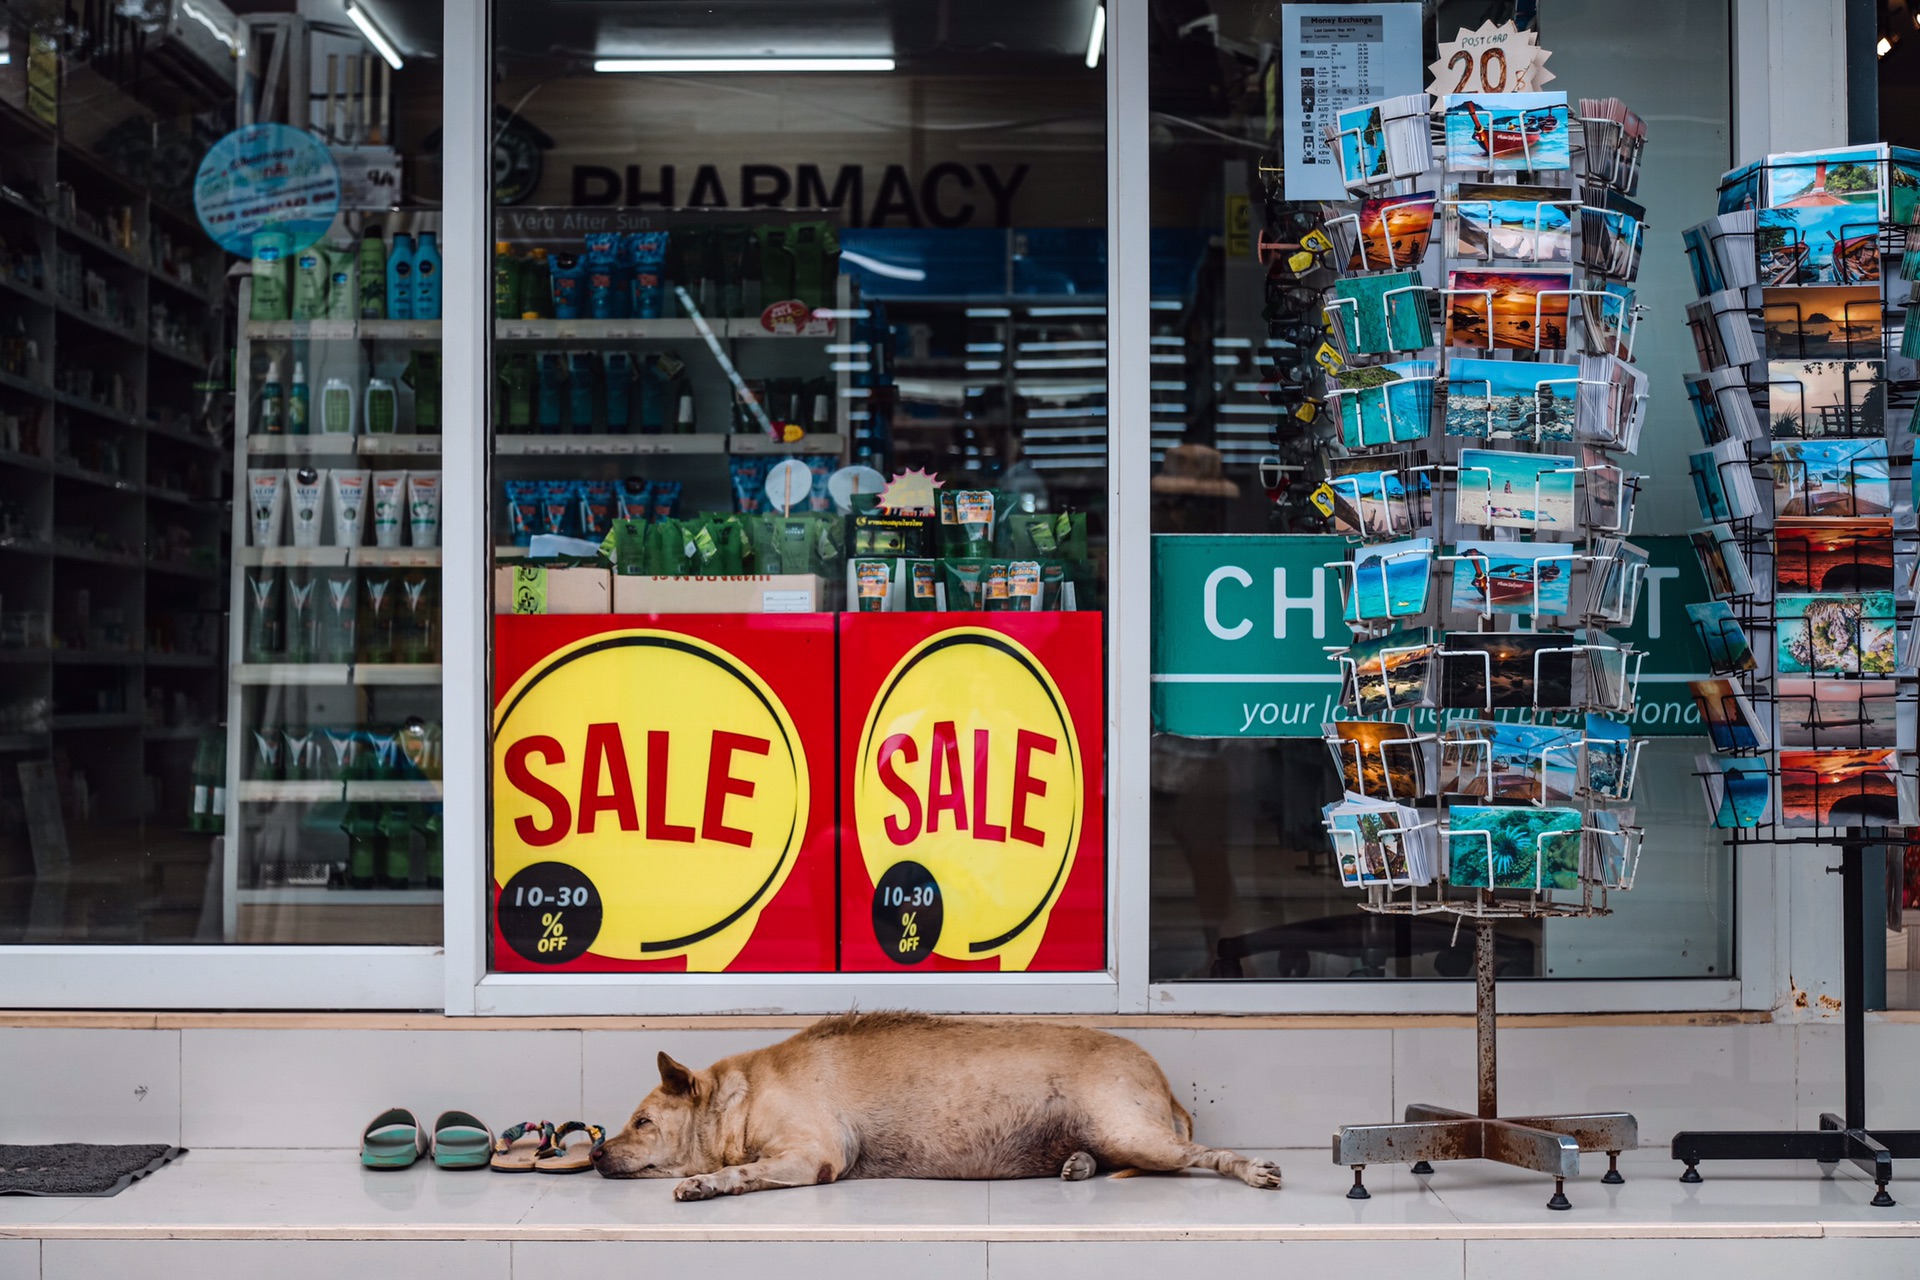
{"points": [[1848, 709], [1552, 835]]}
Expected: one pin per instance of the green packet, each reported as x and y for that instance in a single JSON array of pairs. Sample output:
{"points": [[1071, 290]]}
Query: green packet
{"points": [[873, 579], [922, 583], [800, 542], [962, 580], [667, 554], [626, 545], [718, 546], [970, 520]]}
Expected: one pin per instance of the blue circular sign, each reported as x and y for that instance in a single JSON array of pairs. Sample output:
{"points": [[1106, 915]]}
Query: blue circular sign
{"points": [[266, 177]]}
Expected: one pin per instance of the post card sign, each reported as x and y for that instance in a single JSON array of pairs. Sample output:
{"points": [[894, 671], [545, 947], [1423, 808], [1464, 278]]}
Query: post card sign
{"points": [[972, 813], [663, 793]]}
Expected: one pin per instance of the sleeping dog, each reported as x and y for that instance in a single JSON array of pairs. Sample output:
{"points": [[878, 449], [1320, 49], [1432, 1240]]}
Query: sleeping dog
{"points": [[905, 1095]]}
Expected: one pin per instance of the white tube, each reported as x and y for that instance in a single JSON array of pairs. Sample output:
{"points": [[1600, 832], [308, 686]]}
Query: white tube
{"points": [[266, 503], [349, 508], [423, 508], [308, 491], [389, 507]]}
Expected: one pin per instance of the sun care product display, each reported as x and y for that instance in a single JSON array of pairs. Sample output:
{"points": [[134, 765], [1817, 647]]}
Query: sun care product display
{"points": [[373, 275], [382, 402], [266, 506], [343, 281], [306, 501], [423, 508], [297, 400], [271, 276], [350, 490], [426, 278], [273, 403], [389, 507], [336, 407], [399, 277], [310, 270]]}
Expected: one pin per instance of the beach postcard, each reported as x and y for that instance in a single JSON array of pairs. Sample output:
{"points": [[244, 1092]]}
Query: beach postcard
{"points": [[1511, 224], [1513, 847], [1526, 401], [1815, 398], [1390, 580], [1838, 713], [1818, 244], [1381, 759], [1508, 310], [1730, 720], [1518, 763], [1744, 789], [1370, 497], [1831, 479], [1839, 788], [1513, 577], [1363, 145], [1391, 673], [1833, 555], [1394, 232], [1835, 177], [1728, 650], [1371, 845], [1385, 403], [1837, 634], [1515, 490], [1611, 763], [1507, 132], [1721, 561], [1374, 323], [1498, 671], [1821, 322], [1606, 318]]}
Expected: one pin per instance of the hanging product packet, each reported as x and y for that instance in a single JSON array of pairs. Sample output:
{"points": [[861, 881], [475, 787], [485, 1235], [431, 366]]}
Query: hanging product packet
{"points": [[596, 507], [872, 581], [633, 500], [963, 583], [748, 474], [626, 546], [523, 510], [557, 508], [666, 499], [647, 251], [667, 551], [923, 580]]}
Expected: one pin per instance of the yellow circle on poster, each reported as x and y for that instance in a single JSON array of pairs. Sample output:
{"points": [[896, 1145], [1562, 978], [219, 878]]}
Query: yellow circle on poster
{"points": [[668, 773], [969, 766]]}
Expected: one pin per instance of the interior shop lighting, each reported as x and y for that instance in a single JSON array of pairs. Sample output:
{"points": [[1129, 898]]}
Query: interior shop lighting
{"points": [[879, 268], [375, 36], [1884, 47], [696, 65], [1096, 35]]}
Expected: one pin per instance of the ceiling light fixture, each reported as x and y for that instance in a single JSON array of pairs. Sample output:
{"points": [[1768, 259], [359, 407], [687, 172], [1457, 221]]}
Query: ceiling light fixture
{"points": [[1884, 47], [697, 65], [1097, 35], [375, 36]]}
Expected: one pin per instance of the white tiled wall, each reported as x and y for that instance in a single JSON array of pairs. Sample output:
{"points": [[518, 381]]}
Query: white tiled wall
{"points": [[98, 1085]]}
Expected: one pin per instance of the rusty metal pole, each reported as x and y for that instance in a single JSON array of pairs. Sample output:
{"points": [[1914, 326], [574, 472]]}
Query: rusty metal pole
{"points": [[1483, 1018]]}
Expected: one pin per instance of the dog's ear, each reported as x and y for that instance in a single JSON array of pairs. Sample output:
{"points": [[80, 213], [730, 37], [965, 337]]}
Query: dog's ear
{"points": [[676, 1079]]}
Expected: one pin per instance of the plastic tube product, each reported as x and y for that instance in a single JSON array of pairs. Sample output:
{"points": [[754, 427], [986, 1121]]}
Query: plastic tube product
{"points": [[303, 616], [400, 277], [596, 508], [307, 494], [310, 283], [568, 284], [557, 508], [382, 407], [603, 254], [419, 639], [264, 586], [550, 401], [423, 375], [648, 252], [297, 400], [339, 611], [373, 276], [375, 640], [426, 278], [580, 380], [523, 510], [273, 405], [349, 508], [343, 281], [266, 504], [617, 367], [423, 508], [389, 507], [336, 408], [270, 270]]}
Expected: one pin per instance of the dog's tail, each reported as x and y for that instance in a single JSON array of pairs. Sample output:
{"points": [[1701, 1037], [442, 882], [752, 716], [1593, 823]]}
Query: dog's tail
{"points": [[1182, 1119]]}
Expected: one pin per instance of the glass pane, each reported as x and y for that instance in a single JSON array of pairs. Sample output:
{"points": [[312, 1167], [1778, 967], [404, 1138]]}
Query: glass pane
{"points": [[800, 360], [197, 744], [1244, 880]]}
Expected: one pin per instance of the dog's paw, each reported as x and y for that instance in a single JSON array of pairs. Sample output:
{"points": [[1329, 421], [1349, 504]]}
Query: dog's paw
{"points": [[700, 1187], [1261, 1173], [1078, 1168]]}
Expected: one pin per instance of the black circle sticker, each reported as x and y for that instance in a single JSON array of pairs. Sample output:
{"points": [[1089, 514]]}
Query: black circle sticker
{"points": [[907, 912], [549, 913]]}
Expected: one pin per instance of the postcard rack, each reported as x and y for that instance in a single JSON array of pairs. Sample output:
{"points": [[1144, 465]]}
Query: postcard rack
{"points": [[1484, 410], [1805, 401]]}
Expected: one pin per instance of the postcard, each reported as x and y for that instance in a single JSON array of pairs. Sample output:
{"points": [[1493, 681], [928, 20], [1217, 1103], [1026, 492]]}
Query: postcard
{"points": [[1839, 788], [1606, 669], [1521, 763], [1494, 671], [1384, 140], [1729, 717], [1513, 577], [1612, 853], [1723, 484], [1613, 154], [1363, 145], [1370, 496], [1728, 650], [1511, 224], [1507, 132], [1609, 494], [1838, 713], [1604, 319], [1831, 479], [1814, 398], [1827, 178], [1508, 310], [1611, 236], [1722, 561], [1821, 322], [1740, 188], [1738, 789], [1383, 760], [1376, 842], [1720, 252], [1513, 847], [1722, 406], [1833, 555], [1613, 402], [1614, 596], [1391, 673], [1394, 232], [1374, 323], [1722, 330], [1852, 634], [1496, 400], [1515, 490], [1385, 403], [1390, 580], [1818, 244], [1611, 759]]}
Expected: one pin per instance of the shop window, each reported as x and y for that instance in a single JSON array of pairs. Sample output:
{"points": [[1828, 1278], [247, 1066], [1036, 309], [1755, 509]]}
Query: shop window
{"points": [[1244, 882], [799, 488], [219, 691]]}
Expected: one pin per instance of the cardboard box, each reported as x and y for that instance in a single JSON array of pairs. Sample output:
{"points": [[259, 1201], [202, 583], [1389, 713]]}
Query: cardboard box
{"points": [[754, 593], [565, 590]]}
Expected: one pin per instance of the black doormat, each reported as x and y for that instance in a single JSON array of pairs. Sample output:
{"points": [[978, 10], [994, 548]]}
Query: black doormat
{"points": [[79, 1168]]}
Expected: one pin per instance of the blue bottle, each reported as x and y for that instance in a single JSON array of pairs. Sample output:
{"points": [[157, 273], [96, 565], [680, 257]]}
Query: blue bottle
{"points": [[426, 278], [400, 277]]}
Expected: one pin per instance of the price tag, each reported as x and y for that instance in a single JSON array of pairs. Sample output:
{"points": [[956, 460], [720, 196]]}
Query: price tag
{"points": [[1322, 498], [529, 588]]}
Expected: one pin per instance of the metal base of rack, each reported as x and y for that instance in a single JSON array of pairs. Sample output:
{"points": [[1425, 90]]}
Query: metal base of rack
{"points": [[1546, 1144], [1839, 1137]]}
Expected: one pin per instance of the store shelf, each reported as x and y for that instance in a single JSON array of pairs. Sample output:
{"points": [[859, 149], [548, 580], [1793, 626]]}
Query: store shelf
{"points": [[25, 462], [183, 570], [389, 445], [122, 256], [97, 720], [316, 895], [99, 323], [343, 445], [395, 790], [292, 673], [96, 658], [87, 555], [192, 291], [677, 329], [343, 330], [159, 432], [105, 412], [180, 355], [397, 673], [810, 443], [181, 659], [543, 446], [339, 557], [323, 790], [26, 386], [119, 484], [173, 733], [31, 294]]}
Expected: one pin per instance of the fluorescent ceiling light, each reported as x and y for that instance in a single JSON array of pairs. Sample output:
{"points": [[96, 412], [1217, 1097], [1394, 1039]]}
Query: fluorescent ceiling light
{"points": [[879, 268], [1096, 35], [375, 36], [742, 64]]}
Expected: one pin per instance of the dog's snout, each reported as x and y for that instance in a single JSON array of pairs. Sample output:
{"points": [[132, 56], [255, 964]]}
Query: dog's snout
{"points": [[598, 1154]]}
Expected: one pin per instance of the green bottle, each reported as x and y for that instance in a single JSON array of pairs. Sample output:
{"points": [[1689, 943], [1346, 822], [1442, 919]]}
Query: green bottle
{"points": [[363, 845], [373, 276], [396, 825], [506, 282], [433, 842], [297, 400], [423, 375]]}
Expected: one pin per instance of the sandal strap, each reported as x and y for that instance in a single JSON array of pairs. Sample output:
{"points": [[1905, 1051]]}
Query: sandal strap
{"points": [[512, 1135], [571, 1127]]}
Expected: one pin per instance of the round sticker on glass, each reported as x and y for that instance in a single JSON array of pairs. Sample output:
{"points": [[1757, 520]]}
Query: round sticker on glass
{"points": [[266, 177]]}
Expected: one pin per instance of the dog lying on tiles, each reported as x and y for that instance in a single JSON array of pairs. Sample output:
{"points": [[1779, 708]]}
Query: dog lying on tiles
{"points": [[905, 1095]]}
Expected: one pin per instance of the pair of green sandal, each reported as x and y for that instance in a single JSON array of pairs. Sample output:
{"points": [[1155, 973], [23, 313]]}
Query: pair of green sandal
{"points": [[395, 1140]]}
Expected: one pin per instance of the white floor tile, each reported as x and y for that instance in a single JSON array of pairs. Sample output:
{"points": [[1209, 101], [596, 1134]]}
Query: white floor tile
{"points": [[786, 1260], [278, 1259], [594, 1201], [1157, 1260], [1694, 1259], [91, 1085], [20, 1259], [1266, 1088], [320, 1088]]}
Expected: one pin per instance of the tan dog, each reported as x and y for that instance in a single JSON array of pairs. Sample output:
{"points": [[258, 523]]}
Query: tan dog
{"points": [[904, 1095]]}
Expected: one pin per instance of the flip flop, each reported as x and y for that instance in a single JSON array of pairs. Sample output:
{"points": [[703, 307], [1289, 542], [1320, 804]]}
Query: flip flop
{"points": [[392, 1141], [460, 1141], [515, 1150], [574, 1158]]}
